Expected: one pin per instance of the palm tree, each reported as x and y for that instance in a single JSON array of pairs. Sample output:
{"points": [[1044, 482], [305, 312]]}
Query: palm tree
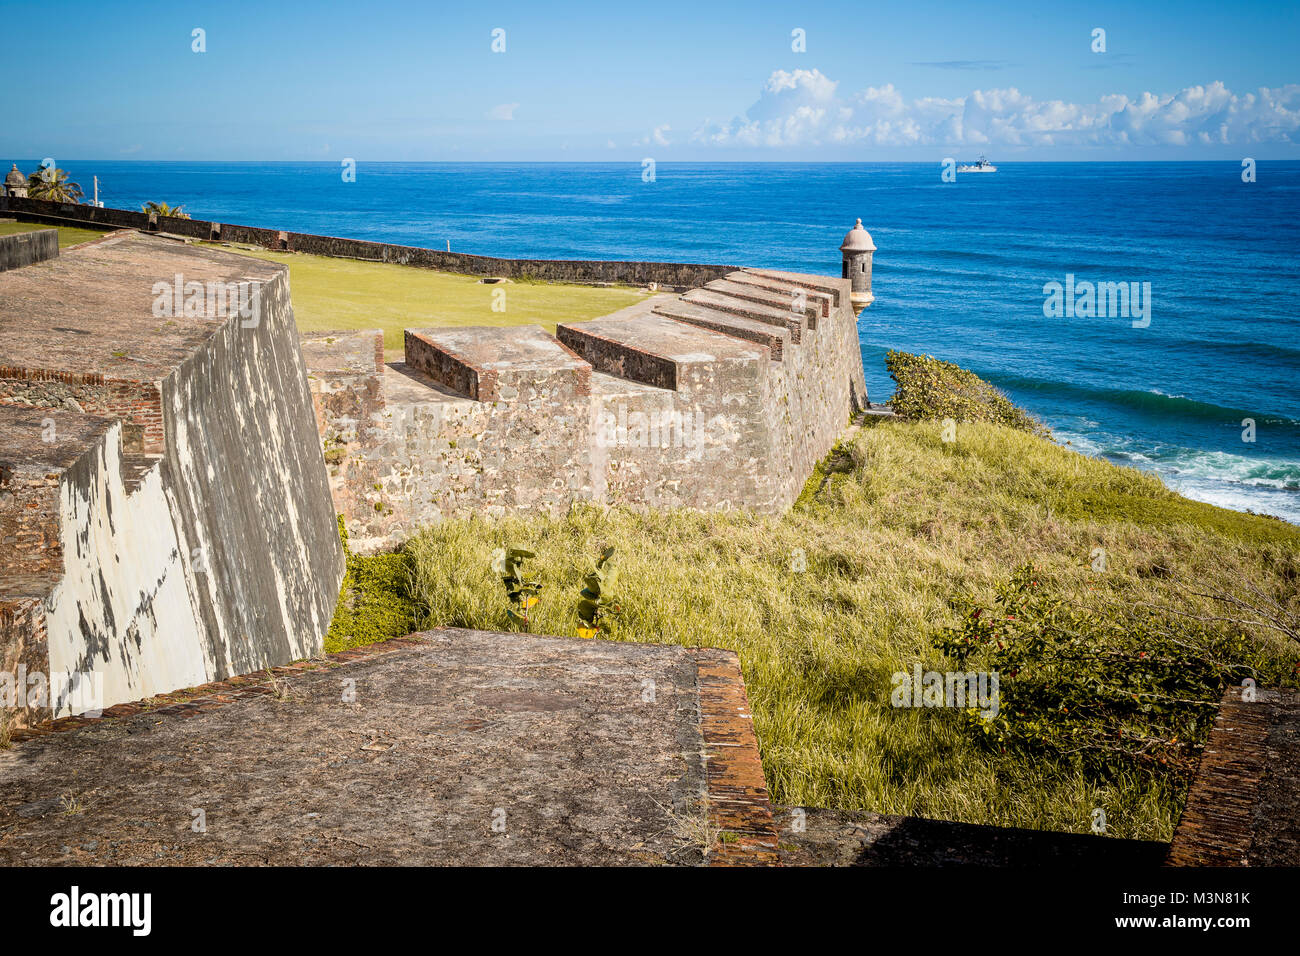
{"points": [[162, 209], [52, 185]]}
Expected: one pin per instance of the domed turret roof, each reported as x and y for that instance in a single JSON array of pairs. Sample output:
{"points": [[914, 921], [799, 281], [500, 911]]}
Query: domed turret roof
{"points": [[15, 178], [858, 240]]}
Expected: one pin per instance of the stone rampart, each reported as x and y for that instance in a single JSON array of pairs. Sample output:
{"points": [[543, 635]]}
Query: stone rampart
{"points": [[24, 248], [721, 398], [165, 517]]}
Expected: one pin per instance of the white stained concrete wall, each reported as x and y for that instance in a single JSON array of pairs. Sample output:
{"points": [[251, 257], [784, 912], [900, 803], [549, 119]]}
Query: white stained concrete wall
{"points": [[123, 609]]}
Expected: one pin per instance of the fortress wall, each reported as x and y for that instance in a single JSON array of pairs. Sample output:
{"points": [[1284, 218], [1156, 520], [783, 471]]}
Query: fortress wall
{"points": [[57, 213], [24, 646], [711, 402], [216, 555], [630, 424], [431, 464], [524, 440], [244, 472], [29, 522], [670, 275], [636, 409], [138, 405], [25, 248], [824, 372], [410, 460], [717, 460]]}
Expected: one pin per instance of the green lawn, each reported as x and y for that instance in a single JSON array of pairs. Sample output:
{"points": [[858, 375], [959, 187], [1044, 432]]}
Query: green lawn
{"points": [[68, 235], [348, 294]]}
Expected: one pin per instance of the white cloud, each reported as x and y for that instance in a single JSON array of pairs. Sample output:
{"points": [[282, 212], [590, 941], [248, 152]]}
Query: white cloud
{"points": [[805, 108], [658, 137], [506, 111]]}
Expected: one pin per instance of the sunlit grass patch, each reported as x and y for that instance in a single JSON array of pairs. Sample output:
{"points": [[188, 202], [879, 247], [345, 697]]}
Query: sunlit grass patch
{"points": [[68, 235], [333, 293]]}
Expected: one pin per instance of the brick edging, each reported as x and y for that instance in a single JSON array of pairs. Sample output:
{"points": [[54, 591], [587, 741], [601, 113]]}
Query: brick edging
{"points": [[205, 697], [738, 805], [1217, 825]]}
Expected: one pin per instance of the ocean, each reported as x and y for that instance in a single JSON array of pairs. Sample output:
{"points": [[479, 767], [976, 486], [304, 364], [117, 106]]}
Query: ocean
{"points": [[1200, 387]]}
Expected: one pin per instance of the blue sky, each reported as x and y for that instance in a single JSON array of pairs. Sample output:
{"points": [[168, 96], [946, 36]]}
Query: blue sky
{"points": [[675, 81]]}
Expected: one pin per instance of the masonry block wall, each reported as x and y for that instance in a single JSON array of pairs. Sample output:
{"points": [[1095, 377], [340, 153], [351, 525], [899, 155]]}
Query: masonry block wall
{"points": [[165, 516], [721, 398]]}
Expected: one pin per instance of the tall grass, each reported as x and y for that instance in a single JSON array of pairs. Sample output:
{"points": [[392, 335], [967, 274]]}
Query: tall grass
{"points": [[891, 546]]}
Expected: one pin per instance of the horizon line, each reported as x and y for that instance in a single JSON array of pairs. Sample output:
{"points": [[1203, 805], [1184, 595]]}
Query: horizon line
{"points": [[661, 162]]}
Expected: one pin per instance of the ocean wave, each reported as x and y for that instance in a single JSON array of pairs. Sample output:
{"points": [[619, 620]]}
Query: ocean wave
{"points": [[1153, 401], [1236, 469], [1278, 504], [1199, 467], [1264, 350]]}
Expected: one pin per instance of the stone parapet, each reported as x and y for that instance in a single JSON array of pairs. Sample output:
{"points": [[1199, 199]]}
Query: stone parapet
{"points": [[722, 398]]}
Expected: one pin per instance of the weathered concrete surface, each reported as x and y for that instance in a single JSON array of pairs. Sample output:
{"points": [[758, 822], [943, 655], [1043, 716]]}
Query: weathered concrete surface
{"points": [[24, 248], [190, 534], [722, 398], [585, 752], [1243, 808], [830, 838]]}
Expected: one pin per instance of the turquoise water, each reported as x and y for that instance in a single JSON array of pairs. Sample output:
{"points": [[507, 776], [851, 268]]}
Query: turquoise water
{"points": [[960, 272]]}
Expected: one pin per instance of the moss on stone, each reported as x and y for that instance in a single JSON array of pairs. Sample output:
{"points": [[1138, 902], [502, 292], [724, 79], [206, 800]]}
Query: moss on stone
{"points": [[375, 599]]}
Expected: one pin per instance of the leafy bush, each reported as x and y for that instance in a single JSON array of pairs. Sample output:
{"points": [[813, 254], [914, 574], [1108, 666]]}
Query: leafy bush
{"points": [[1107, 688], [929, 388], [507, 563], [595, 604]]}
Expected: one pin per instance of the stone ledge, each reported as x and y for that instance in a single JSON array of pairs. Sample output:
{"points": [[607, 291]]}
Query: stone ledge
{"points": [[738, 804], [215, 694]]}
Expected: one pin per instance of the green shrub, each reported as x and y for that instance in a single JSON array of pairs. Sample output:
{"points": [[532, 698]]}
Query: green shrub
{"points": [[1106, 688], [507, 563], [931, 389], [596, 606]]}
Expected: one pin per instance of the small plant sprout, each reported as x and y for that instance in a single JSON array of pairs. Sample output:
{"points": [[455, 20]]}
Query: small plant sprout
{"points": [[595, 603], [522, 594]]}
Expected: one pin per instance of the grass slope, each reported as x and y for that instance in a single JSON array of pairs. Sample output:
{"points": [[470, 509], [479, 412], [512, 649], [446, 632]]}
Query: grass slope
{"points": [[68, 235], [892, 535], [349, 294], [890, 546]]}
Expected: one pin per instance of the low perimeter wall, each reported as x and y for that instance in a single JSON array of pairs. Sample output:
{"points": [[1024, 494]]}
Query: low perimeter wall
{"points": [[668, 275], [27, 247]]}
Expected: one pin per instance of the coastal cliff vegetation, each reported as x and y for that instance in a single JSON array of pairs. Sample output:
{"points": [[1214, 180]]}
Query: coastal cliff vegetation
{"points": [[1102, 598]]}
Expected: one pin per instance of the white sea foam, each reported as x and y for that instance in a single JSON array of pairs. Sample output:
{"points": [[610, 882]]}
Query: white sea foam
{"points": [[1263, 485]]}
